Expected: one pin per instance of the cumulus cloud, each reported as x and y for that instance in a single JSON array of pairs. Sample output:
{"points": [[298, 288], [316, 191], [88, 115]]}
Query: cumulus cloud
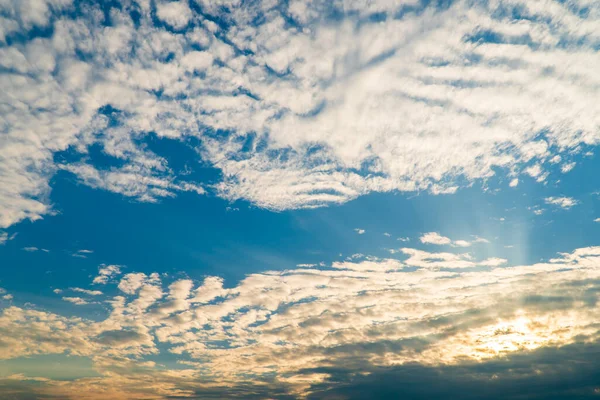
{"points": [[106, 272], [130, 283], [434, 238], [175, 13], [359, 231], [437, 239], [295, 108], [562, 202]]}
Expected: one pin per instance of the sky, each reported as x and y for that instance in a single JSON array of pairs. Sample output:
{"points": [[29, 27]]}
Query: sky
{"points": [[302, 199]]}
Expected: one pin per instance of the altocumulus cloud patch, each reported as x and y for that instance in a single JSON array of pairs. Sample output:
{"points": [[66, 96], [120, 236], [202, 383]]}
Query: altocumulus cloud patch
{"points": [[298, 104], [302, 331]]}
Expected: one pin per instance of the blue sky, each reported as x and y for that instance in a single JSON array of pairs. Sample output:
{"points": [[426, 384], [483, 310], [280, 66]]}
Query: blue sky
{"points": [[299, 199]]}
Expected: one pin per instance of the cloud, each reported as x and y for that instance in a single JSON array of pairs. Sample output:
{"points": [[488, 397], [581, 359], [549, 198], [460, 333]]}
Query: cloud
{"points": [[86, 291], [359, 231], [30, 249], [76, 300], [82, 253], [461, 243], [106, 273], [130, 283], [5, 238], [175, 13], [434, 238], [118, 338], [567, 167], [278, 328], [315, 112], [562, 202], [437, 239]]}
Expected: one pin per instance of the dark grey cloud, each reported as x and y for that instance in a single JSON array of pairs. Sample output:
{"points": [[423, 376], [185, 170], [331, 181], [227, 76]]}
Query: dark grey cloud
{"points": [[567, 372]]}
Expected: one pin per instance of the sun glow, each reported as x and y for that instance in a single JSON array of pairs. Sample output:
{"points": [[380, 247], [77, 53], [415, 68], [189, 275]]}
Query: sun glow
{"points": [[523, 332]]}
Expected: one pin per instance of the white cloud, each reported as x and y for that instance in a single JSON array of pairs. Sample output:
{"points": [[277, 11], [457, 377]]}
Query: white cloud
{"points": [[82, 253], [514, 182], [567, 167], [7, 297], [434, 238], [86, 291], [563, 202], [30, 249], [461, 243], [597, 220], [130, 283], [175, 13], [353, 106], [359, 231], [76, 300], [306, 265], [437, 239], [106, 273]]}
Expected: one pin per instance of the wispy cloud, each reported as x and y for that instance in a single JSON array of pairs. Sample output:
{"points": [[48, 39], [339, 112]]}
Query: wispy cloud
{"points": [[76, 300], [86, 291], [82, 253]]}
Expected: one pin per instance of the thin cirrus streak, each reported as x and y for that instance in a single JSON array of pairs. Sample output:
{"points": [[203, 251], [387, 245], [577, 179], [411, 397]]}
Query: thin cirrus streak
{"points": [[298, 104], [288, 331]]}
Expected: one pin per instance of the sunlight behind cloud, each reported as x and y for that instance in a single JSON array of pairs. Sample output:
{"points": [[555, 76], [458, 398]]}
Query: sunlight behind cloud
{"points": [[375, 313]]}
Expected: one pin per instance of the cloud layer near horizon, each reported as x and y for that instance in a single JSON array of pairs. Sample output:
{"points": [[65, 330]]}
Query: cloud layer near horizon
{"points": [[286, 331], [297, 104]]}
